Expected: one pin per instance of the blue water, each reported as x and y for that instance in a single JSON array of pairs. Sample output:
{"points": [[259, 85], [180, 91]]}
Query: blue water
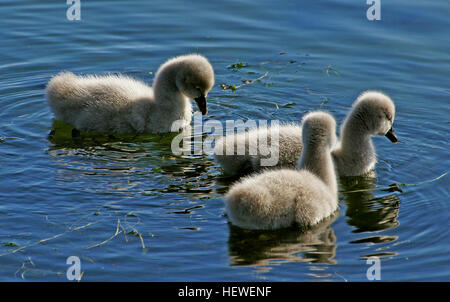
{"points": [[132, 211]]}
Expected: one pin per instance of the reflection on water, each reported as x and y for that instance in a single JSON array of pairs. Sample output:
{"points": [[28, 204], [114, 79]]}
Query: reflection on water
{"points": [[315, 245], [365, 211], [369, 213], [150, 154]]}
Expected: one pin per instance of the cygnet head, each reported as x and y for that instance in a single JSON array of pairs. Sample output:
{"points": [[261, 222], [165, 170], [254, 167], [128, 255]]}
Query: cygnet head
{"points": [[194, 78], [319, 127], [376, 113]]}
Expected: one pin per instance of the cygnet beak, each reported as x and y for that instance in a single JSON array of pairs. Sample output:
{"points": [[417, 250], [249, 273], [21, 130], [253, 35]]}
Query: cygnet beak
{"points": [[391, 136], [201, 103]]}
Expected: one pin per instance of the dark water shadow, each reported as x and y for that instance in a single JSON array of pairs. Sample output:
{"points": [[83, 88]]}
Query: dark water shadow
{"points": [[255, 248], [63, 135], [225, 181]]}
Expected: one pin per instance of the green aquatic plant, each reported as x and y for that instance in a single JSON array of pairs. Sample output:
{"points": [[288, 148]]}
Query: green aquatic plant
{"points": [[11, 244], [331, 69], [244, 83], [238, 66]]}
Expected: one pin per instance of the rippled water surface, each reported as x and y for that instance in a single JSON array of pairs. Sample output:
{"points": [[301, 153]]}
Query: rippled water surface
{"points": [[133, 211]]}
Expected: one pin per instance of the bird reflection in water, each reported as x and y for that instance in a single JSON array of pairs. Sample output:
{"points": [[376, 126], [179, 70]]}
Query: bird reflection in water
{"points": [[365, 211], [314, 245], [369, 213]]}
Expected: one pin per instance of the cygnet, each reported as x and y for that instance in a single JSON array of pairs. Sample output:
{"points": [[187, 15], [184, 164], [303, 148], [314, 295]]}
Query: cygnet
{"points": [[121, 104], [282, 198]]}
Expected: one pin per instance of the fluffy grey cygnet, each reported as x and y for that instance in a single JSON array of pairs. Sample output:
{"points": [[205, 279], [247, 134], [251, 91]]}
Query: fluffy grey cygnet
{"points": [[372, 114], [120, 104], [281, 198]]}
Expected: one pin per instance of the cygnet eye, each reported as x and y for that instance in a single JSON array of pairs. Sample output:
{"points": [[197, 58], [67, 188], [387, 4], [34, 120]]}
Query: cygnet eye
{"points": [[199, 90], [388, 116]]}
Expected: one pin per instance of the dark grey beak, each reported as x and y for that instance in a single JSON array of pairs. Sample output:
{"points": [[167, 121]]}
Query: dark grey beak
{"points": [[391, 136], [201, 104]]}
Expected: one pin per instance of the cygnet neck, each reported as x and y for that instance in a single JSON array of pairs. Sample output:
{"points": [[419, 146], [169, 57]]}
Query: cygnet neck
{"points": [[316, 158], [356, 142], [165, 90]]}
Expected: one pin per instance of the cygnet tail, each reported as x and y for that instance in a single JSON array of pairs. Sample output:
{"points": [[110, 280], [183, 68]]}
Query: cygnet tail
{"points": [[62, 91]]}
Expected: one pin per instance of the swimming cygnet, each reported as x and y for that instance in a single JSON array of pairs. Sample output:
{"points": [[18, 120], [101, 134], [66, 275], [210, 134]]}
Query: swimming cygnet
{"points": [[282, 198], [372, 114], [120, 104]]}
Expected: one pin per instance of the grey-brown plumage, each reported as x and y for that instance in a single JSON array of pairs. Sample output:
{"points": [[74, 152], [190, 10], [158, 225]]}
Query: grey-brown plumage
{"points": [[121, 104]]}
